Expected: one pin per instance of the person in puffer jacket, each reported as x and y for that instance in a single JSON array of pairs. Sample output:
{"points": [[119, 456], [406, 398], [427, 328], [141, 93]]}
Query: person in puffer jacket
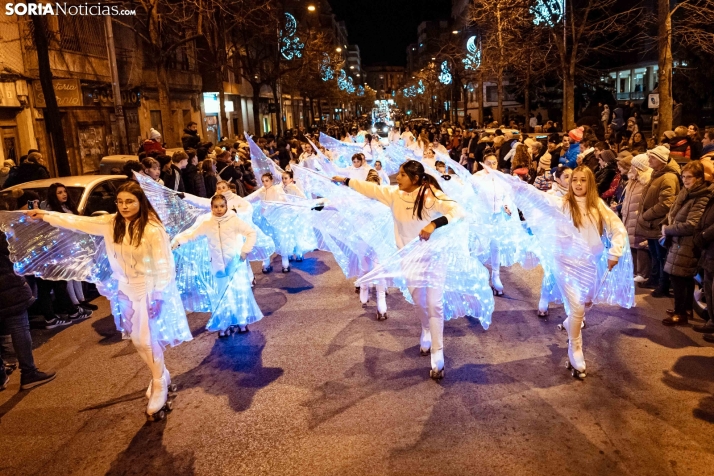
{"points": [[230, 239], [683, 256], [570, 159], [639, 176]]}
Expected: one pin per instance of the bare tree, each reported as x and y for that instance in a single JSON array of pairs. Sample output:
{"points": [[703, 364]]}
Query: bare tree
{"points": [[581, 31], [687, 24], [499, 22]]}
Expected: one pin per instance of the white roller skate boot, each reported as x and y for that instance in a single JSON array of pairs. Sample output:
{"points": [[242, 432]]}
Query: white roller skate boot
{"points": [[381, 303], [496, 284], [425, 342], [159, 403], [167, 376], [364, 294], [576, 359]]}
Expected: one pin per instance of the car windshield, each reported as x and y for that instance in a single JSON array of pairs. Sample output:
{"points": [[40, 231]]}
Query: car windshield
{"points": [[10, 200]]}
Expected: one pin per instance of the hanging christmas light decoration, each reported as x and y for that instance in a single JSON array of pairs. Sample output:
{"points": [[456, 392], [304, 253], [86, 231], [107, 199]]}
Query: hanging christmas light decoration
{"points": [[548, 12], [360, 91], [326, 71], [350, 85], [290, 45], [342, 80], [473, 55], [445, 75]]}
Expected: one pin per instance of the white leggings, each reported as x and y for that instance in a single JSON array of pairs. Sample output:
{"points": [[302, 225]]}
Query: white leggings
{"points": [[429, 306], [74, 288], [140, 331], [381, 290]]}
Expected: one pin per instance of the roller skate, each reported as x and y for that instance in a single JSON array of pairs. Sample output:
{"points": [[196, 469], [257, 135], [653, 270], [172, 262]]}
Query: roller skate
{"points": [[239, 329], [357, 288], [425, 352], [576, 359], [364, 295], [381, 316], [159, 402], [298, 258], [225, 332], [267, 269], [436, 374], [496, 284], [286, 269], [170, 386]]}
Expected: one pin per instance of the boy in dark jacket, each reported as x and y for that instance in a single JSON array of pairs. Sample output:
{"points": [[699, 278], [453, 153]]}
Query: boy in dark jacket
{"points": [[15, 298]]}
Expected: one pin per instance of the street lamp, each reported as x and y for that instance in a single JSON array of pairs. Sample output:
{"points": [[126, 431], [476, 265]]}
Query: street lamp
{"points": [[311, 8], [338, 49], [455, 32]]}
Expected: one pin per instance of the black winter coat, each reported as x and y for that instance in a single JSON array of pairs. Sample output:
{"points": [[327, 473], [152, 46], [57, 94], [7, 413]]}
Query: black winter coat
{"points": [[26, 172], [683, 219], [190, 139], [704, 238], [193, 181], [170, 178], [15, 294], [604, 177]]}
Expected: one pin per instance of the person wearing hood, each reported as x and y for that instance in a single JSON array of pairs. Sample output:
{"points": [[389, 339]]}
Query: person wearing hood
{"points": [[606, 174], [570, 159], [8, 165], [658, 196], [618, 121], [683, 256], [190, 138], [29, 170], [638, 177], [680, 147], [153, 143]]}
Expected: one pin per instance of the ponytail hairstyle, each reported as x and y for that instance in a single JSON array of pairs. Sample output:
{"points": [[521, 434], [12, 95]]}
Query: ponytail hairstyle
{"points": [[289, 174], [416, 173], [592, 200], [269, 175], [373, 176], [138, 224]]}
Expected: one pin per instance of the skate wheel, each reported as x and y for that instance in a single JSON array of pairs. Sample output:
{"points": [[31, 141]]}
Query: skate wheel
{"points": [[158, 416], [568, 366], [436, 374], [424, 353], [173, 388], [169, 405], [560, 327]]}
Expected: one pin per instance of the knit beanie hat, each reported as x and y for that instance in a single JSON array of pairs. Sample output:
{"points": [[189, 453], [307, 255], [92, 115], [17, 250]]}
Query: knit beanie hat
{"points": [[661, 152], [544, 162], [154, 134], [577, 134], [641, 162], [625, 163]]}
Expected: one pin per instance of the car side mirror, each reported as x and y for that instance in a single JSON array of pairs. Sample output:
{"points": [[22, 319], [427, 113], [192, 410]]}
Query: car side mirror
{"points": [[99, 213]]}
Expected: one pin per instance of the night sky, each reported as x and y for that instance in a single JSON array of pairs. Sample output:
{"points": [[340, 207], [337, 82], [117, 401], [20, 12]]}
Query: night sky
{"points": [[384, 28]]}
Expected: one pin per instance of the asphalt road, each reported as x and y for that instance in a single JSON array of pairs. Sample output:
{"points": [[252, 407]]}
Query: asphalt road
{"points": [[320, 387]]}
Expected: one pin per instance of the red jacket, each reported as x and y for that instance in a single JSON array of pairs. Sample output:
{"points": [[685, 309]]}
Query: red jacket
{"points": [[151, 145], [680, 150]]}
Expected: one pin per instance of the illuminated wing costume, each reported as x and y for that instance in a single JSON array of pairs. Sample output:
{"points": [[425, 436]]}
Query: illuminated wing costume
{"points": [[341, 152], [572, 272], [193, 275], [52, 252], [358, 231]]}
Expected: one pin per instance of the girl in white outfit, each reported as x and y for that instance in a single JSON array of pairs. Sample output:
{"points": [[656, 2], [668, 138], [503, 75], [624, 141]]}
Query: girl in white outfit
{"points": [[359, 168], [383, 177], [419, 207], [230, 240], [289, 185], [141, 261]]}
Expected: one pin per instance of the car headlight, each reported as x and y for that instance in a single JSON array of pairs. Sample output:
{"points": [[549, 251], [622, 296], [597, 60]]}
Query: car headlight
{"points": [[386, 129], [374, 129]]}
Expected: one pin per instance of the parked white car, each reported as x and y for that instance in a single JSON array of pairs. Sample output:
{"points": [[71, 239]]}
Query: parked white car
{"points": [[93, 194]]}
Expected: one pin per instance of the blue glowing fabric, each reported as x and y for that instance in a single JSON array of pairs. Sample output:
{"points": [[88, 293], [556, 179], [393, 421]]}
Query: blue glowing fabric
{"points": [[194, 278], [53, 253], [261, 164], [176, 214], [569, 265], [358, 231], [234, 303], [441, 262], [288, 223], [341, 152], [458, 169], [179, 215], [503, 232]]}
